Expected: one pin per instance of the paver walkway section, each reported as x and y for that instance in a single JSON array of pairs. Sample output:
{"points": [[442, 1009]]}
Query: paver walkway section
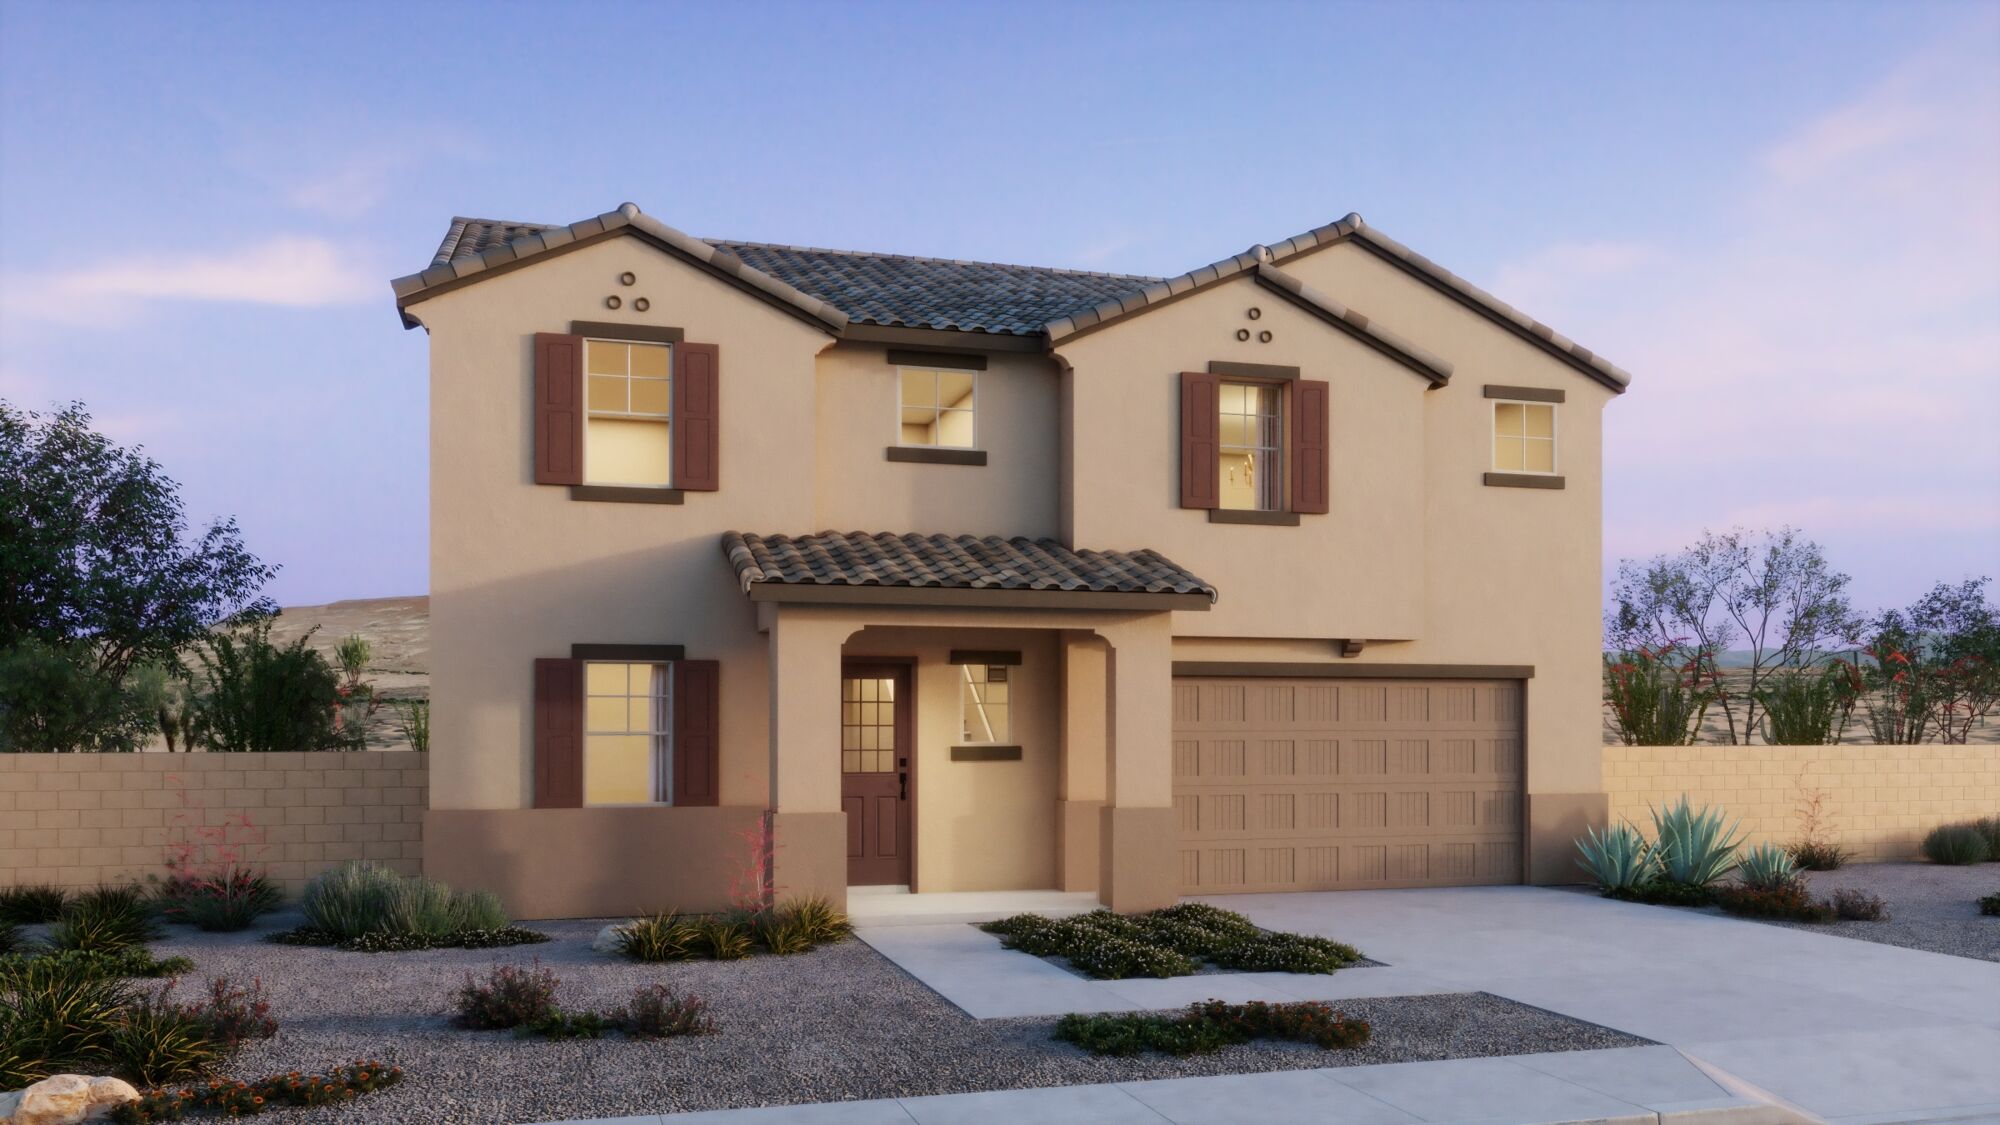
{"points": [[1632, 1086], [1850, 1031]]}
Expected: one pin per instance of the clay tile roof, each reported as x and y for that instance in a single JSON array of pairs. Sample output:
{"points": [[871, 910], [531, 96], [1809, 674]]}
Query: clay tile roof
{"points": [[966, 562]]}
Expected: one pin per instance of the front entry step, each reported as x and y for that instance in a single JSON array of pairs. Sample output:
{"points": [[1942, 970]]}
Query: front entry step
{"points": [[893, 906]]}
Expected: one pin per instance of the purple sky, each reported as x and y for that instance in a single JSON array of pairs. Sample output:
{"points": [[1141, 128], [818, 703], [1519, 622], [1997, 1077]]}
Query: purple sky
{"points": [[1783, 219]]}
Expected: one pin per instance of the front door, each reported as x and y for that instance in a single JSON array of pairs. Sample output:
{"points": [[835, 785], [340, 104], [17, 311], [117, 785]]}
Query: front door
{"points": [[875, 752]]}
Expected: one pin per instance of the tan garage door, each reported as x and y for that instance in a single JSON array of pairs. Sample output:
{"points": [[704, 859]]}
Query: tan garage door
{"points": [[1339, 784]]}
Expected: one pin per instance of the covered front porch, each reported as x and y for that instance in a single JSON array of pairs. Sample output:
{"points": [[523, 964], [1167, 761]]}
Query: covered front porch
{"points": [[960, 740]]}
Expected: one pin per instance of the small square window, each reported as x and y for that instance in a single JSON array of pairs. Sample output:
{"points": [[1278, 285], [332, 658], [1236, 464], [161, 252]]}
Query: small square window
{"points": [[1524, 437], [937, 408], [986, 705]]}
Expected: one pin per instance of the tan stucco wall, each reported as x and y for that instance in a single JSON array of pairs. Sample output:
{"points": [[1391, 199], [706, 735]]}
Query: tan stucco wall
{"points": [[520, 570], [1878, 801], [856, 487], [80, 820]]}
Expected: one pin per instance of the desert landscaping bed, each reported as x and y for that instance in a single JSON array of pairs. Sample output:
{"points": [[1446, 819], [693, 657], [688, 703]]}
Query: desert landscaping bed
{"points": [[1931, 906], [838, 1023]]}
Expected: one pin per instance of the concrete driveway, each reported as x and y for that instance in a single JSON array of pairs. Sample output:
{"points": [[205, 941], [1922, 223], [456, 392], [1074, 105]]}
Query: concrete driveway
{"points": [[1848, 1031]]}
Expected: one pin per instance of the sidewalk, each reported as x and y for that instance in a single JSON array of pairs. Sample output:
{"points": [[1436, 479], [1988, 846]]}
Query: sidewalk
{"points": [[1635, 1085]]}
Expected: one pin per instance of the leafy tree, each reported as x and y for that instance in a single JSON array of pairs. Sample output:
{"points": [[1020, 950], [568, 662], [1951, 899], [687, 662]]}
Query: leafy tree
{"points": [[1773, 592], [1935, 665], [99, 574]]}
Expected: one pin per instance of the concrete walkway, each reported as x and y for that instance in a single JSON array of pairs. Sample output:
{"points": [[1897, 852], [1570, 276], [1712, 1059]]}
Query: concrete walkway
{"points": [[1633, 1086]]}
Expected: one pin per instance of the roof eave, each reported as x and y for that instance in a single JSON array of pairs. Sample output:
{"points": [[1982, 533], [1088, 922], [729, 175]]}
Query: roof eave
{"points": [[1431, 368], [830, 593]]}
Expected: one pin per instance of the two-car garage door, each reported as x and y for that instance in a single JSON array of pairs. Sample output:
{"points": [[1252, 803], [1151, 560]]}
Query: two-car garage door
{"points": [[1338, 784]]}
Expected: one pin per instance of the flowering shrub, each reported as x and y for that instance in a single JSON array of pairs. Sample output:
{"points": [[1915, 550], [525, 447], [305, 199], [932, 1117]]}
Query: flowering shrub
{"points": [[403, 943], [234, 1015], [1990, 905], [1172, 942], [658, 1012], [1791, 902], [1212, 1025], [210, 881], [1657, 695], [509, 997], [241, 1099], [1858, 906]]}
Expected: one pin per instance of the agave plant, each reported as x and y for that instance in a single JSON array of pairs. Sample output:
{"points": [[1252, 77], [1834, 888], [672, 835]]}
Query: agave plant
{"points": [[1694, 846], [1767, 867], [1619, 859]]}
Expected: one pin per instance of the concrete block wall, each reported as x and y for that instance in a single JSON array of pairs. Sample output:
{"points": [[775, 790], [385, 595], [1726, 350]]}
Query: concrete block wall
{"points": [[77, 820], [1878, 800]]}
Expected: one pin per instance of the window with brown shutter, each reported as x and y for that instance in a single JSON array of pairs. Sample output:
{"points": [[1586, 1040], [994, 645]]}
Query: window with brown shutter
{"points": [[558, 408], [1200, 450], [1311, 477], [697, 453], [558, 734], [697, 733]]}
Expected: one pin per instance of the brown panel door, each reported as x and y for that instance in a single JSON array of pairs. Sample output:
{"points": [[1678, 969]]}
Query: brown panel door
{"points": [[876, 736]]}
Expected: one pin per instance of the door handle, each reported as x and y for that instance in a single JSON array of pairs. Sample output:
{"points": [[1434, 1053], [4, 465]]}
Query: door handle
{"points": [[903, 786]]}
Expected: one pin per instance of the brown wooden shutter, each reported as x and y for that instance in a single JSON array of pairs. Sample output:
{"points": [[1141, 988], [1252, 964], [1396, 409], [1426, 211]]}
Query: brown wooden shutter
{"points": [[1201, 450], [558, 734], [697, 731], [697, 452], [558, 408], [1311, 474]]}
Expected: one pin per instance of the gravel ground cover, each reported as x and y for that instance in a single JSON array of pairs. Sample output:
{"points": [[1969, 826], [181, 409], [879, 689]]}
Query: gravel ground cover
{"points": [[839, 1023], [1930, 907]]}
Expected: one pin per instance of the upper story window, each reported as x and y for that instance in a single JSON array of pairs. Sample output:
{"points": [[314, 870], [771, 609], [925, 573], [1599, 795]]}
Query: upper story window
{"points": [[938, 408], [1524, 437], [1251, 456], [628, 752], [628, 431]]}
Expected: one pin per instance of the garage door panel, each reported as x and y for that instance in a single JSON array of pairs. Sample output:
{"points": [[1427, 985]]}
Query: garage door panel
{"points": [[1283, 785]]}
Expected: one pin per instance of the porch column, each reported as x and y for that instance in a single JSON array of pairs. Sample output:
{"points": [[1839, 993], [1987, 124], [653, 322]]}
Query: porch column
{"points": [[1081, 778], [1140, 866], [809, 829]]}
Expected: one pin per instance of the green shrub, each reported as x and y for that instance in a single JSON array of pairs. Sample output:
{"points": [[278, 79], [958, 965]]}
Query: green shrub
{"points": [[1955, 844], [558, 1024], [1790, 902], [156, 1041], [413, 722], [30, 905], [1989, 827], [228, 900], [1655, 696], [823, 923], [362, 898], [1174, 941], [1858, 906], [1694, 846], [405, 943], [261, 697], [510, 996], [55, 698], [1210, 1026], [10, 938], [1804, 707], [1619, 859], [62, 1010], [1664, 893], [1108, 957], [106, 919], [665, 936], [1818, 855], [1990, 905], [658, 1012], [721, 939], [131, 961], [1767, 867], [780, 931], [1287, 953]]}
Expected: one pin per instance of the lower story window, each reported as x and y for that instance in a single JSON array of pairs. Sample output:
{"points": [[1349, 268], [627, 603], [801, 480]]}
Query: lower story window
{"points": [[628, 752], [984, 697]]}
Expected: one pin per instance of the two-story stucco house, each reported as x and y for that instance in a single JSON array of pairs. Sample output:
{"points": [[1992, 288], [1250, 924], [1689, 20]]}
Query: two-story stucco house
{"points": [[1280, 574]]}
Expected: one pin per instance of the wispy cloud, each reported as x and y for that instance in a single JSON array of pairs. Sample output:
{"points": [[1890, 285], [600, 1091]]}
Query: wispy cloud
{"points": [[1824, 350], [295, 271]]}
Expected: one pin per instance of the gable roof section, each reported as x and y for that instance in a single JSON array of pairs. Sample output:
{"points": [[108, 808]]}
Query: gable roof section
{"points": [[1354, 228], [818, 566], [837, 288], [474, 249]]}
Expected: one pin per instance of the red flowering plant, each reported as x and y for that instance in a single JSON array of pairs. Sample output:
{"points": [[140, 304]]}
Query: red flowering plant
{"points": [[213, 881], [1658, 695]]}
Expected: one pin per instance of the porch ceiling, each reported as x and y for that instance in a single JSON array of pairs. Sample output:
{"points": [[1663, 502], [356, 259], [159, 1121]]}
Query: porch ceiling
{"points": [[889, 569]]}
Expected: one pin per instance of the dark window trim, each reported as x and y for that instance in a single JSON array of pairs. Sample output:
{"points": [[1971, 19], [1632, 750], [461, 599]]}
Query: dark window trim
{"points": [[951, 360], [985, 656], [1524, 480], [1272, 371], [1296, 671], [986, 753], [985, 597], [655, 654], [626, 494], [1525, 394], [642, 333], [932, 455], [1241, 515]]}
